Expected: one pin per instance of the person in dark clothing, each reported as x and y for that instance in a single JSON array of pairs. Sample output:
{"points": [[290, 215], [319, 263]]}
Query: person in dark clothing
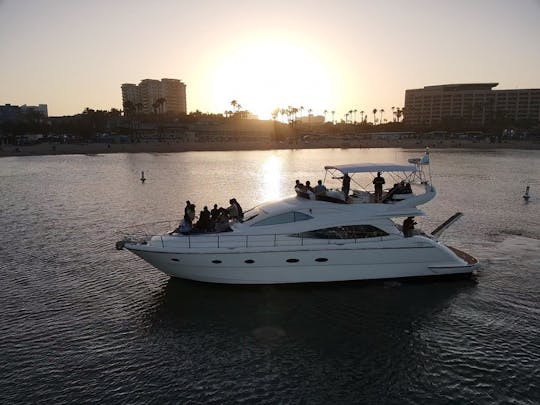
{"points": [[239, 209], [408, 227], [204, 220], [378, 182], [346, 185], [214, 213], [319, 189]]}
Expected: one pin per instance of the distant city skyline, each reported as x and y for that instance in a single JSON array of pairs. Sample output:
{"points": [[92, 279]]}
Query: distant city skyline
{"points": [[333, 56]]}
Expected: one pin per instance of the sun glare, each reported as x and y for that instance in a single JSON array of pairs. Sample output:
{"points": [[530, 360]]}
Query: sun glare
{"points": [[264, 75], [271, 176]]}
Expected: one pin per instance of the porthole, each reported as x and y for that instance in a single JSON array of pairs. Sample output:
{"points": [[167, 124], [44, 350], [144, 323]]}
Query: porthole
{"points": [[249, 261], [292, 260], [321, 259], [175, 260], [216, 261]]}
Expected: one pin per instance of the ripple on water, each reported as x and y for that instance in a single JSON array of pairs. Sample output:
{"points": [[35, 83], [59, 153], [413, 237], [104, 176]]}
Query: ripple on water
{"points": [[82, 322]]}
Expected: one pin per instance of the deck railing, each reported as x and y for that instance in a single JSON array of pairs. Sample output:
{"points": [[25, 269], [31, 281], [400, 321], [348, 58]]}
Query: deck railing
{"points": [[141, 234]]}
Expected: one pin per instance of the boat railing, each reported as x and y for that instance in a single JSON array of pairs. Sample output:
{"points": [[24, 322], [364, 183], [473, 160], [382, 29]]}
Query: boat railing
{"points": [[229, 240], [143, 233]]}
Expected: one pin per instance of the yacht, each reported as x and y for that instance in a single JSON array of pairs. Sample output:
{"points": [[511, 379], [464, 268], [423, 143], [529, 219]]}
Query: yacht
{"points": [[311, 237]]}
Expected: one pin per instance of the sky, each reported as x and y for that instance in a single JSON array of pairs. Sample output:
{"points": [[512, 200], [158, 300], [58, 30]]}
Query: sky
{"points": [[335, 55]]}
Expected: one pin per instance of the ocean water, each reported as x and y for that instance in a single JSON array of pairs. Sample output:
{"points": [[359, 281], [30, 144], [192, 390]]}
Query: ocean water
{"points": [[81, 322]]}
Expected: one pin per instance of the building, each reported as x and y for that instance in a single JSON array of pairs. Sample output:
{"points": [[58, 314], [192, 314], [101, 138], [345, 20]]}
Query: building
{"points": [[475, 104], [10, 112], [154, 96]]}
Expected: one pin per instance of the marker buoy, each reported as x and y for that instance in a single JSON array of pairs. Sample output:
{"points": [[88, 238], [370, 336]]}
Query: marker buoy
{"points": [[526, 196]]}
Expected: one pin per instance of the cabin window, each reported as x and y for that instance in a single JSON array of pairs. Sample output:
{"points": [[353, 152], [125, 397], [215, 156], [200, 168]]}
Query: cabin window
{"points": [[344, 232], [249, 261], [216, 261], [286, 218], [292, 260]]}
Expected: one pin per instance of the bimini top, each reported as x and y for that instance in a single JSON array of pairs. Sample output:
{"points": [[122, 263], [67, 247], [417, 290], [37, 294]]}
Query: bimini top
{"points": [[372, 167]]}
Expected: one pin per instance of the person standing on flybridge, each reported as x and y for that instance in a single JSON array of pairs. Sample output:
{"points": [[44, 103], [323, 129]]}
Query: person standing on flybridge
{"points": [[378, 182]]}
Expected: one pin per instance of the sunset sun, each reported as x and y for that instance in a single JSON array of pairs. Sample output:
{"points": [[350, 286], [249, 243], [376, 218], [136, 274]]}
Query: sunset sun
{"points": [[266, 75]]}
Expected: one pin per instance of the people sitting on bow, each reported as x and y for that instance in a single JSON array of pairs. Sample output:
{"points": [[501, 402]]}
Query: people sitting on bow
{"points": [[185, 227], [239, 209], [222, 222], [214, 213], [204, 224], [235, 210]]}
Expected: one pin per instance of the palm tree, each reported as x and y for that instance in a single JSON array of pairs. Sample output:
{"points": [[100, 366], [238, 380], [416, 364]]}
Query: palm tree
{"points": [[294, 112], [354, 112], [374, 117], [160, 101], [393, 114], [362, 116], [129, 107], [382, 112], [325, 112], [333, 113], [236, 105]]}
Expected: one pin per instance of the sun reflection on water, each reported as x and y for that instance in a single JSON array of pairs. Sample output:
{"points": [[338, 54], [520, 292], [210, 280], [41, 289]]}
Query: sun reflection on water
{"points": [[271, 171]]}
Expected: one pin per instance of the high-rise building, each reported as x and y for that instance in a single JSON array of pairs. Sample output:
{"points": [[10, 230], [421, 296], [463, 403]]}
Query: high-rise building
{"points": [[174, 93], [474, 104], [154, 96]]}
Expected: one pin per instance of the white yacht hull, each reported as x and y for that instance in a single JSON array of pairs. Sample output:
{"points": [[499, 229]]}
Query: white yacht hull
{"points": [[419, 258]]}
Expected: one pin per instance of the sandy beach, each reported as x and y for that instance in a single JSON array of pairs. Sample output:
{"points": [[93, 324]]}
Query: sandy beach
{"points": [[172, 146]]}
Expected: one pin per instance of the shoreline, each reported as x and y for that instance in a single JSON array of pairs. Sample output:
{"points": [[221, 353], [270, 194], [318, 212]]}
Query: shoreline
{"points": [[174, 147]]}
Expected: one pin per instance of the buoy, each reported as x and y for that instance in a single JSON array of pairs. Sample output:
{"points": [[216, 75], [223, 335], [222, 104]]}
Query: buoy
{"points": [[142, 177], [526, 196]]}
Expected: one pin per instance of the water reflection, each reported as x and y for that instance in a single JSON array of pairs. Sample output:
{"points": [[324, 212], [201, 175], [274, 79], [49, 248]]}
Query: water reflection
{"points": [[271, 174], [313, 314]]}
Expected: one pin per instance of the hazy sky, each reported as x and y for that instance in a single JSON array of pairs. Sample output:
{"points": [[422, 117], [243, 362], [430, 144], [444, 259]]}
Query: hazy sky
{"points": [[334, 55]]}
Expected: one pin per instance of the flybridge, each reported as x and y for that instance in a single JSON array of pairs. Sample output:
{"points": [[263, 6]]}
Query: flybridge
{"points": [[372, 167]]}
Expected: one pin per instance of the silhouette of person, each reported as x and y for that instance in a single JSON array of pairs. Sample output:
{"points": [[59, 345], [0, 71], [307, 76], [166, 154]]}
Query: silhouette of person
{"points": [[378, 182], [319, 189], [346, 185], [408, 227]]}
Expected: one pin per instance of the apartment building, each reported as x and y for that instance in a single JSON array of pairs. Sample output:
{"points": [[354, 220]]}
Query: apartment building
{"points": [[10, 112], [154, 96], [475, 104]]}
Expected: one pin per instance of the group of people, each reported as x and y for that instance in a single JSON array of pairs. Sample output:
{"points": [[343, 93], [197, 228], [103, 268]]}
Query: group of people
{"points": [[215, 220], [318, 190], [305, 190]]}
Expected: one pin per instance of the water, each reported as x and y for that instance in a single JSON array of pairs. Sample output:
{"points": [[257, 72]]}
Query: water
{"points": [[82, 322]]}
